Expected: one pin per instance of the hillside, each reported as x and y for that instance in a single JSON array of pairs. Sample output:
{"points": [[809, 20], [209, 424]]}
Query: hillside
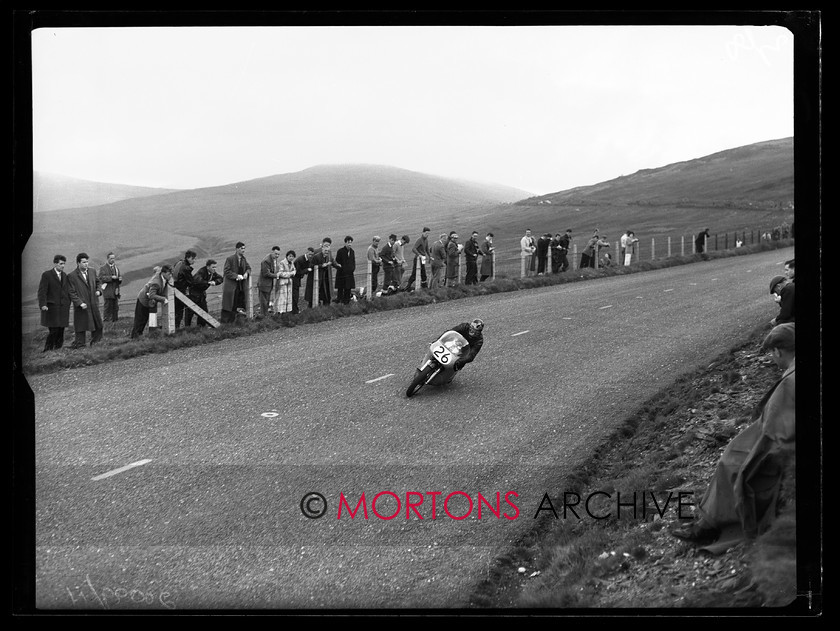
{"points": [[755, 176], [51, 191], [747, 188]]}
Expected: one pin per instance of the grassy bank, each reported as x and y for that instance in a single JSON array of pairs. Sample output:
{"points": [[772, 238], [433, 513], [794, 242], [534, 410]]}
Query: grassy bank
{"points": [[670, 444]]}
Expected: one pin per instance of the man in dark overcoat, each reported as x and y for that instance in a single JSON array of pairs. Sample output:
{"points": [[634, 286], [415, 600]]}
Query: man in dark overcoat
{"points": [[345, 280], [236, 272], [323, 261], [84, 293], [54, 302]]}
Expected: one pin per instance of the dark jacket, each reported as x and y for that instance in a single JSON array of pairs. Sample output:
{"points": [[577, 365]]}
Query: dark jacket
{"points": [[786, 305], [55, 295], [231, 270], [344, 277], [182, 277], [82, 292], [475, 342], [201, 281]]}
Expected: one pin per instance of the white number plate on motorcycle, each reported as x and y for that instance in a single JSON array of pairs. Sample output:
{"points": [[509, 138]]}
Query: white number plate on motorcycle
{"points": [[441, 353]]}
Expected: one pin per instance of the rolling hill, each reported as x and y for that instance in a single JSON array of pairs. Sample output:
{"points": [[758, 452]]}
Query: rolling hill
{"points": [[740, 189], [755, 176], [51, 191]]}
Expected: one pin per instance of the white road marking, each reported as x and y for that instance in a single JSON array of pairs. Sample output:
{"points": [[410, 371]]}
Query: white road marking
{"points": [[567, 318], [606, 307], [139, 463], [380, 378], [521, 333], [269, 414], [667, 290]]}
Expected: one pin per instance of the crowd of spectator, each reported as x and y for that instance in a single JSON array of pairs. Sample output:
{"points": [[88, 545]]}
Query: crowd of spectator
{"points": [[282, 277]]}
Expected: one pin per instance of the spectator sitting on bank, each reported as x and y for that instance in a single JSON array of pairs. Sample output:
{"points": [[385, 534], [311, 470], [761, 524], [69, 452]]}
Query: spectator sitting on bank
{"points": [[741, 499]]}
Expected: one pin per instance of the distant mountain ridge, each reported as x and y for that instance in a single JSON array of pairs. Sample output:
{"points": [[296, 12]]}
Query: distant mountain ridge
{"points": [[760, 175], [52, 191]]}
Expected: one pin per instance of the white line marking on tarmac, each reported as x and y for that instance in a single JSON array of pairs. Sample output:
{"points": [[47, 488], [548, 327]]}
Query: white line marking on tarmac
{"points": [[667, 290], [606, 307], [567, 318], [139, 463], [269, 414], [521, 333], [380, 378]]}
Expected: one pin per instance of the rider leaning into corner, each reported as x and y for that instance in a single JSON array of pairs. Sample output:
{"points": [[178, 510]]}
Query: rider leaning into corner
{"points": [[472, 332]]}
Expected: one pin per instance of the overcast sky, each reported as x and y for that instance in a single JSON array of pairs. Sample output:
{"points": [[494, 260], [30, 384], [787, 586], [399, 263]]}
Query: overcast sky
{"points": [[542, 108]]}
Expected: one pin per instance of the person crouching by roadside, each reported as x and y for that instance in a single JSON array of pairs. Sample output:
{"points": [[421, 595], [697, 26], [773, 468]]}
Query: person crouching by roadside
{"points": [[152, 293]]}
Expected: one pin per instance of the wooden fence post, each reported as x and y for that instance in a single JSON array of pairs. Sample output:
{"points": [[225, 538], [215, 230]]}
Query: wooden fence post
{"points": [[669, 247], [493, 265], [652, 248], [682, 245], [168, 311], [417, 264], [522, 271], [249, 299], [574, 257], [316, 294], [369, 283]]}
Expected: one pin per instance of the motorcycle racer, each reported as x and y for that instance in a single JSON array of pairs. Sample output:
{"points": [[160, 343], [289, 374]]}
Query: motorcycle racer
{"points": [[472, 332]]}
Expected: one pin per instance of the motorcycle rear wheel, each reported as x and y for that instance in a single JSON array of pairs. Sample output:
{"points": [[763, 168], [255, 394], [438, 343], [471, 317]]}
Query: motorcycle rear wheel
{"points": [[420, 378]]}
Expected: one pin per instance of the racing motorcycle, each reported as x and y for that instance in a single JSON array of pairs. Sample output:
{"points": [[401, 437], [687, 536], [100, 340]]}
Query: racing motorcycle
{"points": [[438, 366]]}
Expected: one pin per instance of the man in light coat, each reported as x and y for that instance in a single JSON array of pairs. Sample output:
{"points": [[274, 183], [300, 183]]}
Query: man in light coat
{"points": [[111, 279]]}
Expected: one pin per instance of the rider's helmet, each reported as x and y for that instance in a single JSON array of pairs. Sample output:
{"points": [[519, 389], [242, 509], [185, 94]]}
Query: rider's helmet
{"points": [[476, 326]]}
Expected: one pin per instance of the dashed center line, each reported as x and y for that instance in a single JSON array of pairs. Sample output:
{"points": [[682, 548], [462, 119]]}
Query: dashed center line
{"points": [[139, 463], [667, 290], [520, 333], [606, 307], [380, 378]]}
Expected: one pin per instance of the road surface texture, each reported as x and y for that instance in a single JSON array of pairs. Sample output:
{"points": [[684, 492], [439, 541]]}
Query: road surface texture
{"points": [[176, 481]]}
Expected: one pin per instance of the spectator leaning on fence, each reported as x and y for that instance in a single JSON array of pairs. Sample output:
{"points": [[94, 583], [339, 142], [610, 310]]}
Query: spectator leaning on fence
{"points": [[283, 288], [269, 273], [204, 278], [303, 269], [587, 257], [152, 293], [182, 275], [420, 250], [323, 261], [629, 248], [389, 263]]}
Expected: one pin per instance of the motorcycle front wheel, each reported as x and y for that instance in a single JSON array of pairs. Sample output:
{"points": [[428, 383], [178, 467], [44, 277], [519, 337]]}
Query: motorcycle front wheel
{"points": [[420, 378]]}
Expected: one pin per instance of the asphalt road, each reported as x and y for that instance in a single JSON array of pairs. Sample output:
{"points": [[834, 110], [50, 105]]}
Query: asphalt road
{"points": [[175, 481]]}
